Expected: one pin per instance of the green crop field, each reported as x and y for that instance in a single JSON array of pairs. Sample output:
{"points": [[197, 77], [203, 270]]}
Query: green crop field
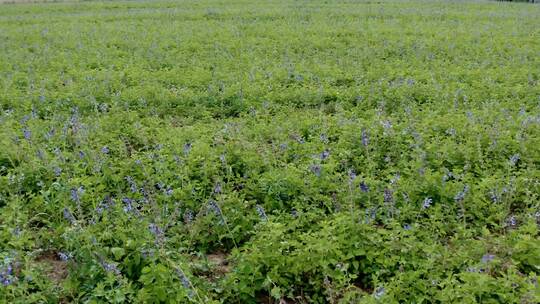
{"points": [[270, 152]]}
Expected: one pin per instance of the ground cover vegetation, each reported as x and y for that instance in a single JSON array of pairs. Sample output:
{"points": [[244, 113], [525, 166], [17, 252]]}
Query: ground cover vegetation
{"points": [[270, 152]]}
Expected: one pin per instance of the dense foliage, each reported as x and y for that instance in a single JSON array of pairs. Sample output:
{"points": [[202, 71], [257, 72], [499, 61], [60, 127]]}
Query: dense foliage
{"points": [[270, 152]]}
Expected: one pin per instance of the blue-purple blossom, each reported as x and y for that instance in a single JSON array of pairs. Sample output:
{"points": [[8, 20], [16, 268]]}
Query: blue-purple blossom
{"points": [[105, 204], [185, 281], [64, 257], [76, 193], [352, 175], [364, 187], [486, 258], [214, 207], [386, 124], [132, 184], [127, 204], [27, 134], [448, 176], [57, 171], [155, 230], [379, 292], [6, 272], [365, 138], [68, 216], [316, 169], [388, 195], [261, 212], [217, 188], [16, 231], [511, 221], [105, 150], [461, 195], [514, 159], [25, 119], [494, 196], [407, 227], [325, 154], [187, 148], [395, 179], [188, 216], [427, 203], [110, 267], [371, 214]]}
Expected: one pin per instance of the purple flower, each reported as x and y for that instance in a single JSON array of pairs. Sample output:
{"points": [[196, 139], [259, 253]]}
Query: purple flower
{"points": [[325, 154], [110, 267], [76, 193], [188, 216], [27, 134], [514, 159], [494, 196], [25, 119], [371, 213], [379, 292], [386, 124], [217, 188], [488, 258], [260, 211], [128, 204], [461, 195], [156, 231], [407, 227], [187, 148], [427, 203], [365, 138], [105, 150], [388, 195], [64, 257], [57, 171], [215, 208], [511, 221], [316, 169], [352, 175], [364, 187], [132, 184], [185, 281], [68, 216]]}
